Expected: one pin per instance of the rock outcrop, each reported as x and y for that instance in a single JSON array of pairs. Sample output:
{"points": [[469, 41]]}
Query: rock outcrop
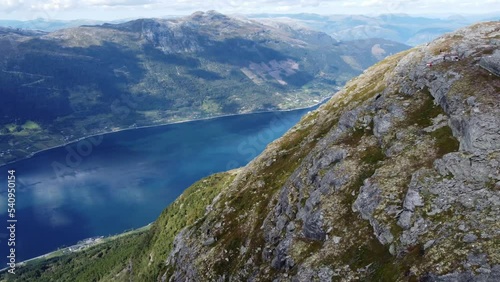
{"points": [[396, 178], [492, 63]]}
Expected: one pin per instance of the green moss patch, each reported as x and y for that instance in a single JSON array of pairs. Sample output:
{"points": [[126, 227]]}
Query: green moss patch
{"points": [[423, 114], [445, 141], [31, 125]]}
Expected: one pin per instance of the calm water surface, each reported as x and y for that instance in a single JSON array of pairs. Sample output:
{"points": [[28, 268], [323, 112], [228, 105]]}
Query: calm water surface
{"points": [[125, 179]]}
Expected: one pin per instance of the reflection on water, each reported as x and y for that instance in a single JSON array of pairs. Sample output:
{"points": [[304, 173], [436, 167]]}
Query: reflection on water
{"points": [[127, 178]]}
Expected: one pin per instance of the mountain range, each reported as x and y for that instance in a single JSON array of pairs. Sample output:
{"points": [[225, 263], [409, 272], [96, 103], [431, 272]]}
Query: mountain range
{"points": [[407, 29], [70, 83]]}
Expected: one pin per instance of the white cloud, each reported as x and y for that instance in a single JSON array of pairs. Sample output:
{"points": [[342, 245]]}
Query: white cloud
{"points": [[10, 5], [49, 194], [140, 8], [52, 5], [100, 3]]}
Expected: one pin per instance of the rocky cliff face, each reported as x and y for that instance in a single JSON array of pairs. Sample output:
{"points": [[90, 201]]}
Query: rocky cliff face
{"points": [[396, 178]]}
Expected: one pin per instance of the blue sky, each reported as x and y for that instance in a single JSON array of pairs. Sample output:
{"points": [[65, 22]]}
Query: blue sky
{"points": [[120, 9]]}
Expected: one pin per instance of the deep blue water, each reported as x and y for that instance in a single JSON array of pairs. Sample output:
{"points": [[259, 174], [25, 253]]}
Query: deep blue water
{"points": [[107, 184]]}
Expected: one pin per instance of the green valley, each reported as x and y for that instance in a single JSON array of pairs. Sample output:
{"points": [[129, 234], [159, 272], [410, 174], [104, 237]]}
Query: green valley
{"points": [[60, 86]]}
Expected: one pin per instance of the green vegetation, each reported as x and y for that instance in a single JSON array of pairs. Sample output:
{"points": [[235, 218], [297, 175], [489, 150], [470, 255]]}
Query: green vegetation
{"points": [[445, 141], [186, 210], [423, 115], [354, 137], [491, 184], [31, 125], [373, 155], [311, 246], [14, 129], [92, 264], [211, 107], [11, 127], [425, 112]]}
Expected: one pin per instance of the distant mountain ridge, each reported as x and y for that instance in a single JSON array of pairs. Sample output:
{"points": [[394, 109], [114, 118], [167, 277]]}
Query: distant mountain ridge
{"points": [[403, 28], [48, 25], [407, 29], [71, 83]]}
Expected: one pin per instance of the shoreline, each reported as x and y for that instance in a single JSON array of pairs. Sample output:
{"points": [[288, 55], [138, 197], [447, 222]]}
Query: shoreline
{"points": [[104, 240], [46, 255], [163, 124]]}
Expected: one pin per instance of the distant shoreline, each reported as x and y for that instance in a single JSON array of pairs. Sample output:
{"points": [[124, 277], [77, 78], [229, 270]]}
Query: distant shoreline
{"points": [[163, 124], [104, 240]]}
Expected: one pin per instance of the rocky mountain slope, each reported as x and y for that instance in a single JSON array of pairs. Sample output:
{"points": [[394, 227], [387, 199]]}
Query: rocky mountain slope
{"points": [[74, 82], [396, 178]]}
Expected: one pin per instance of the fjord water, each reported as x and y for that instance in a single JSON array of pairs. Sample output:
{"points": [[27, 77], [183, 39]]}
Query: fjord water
{"points": [[107, 184]]}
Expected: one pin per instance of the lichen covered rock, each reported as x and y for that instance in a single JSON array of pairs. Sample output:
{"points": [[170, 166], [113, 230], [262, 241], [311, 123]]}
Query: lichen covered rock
{"points": [[395, 177]]}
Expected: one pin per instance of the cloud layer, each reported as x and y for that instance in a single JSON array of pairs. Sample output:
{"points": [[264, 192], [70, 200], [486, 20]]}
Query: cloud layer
{"points": [[140, 8]]}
